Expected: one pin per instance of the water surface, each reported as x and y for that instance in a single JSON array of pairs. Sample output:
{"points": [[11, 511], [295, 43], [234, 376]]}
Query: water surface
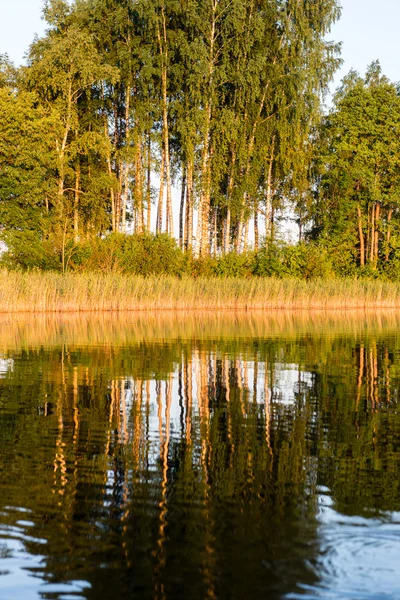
{"points": [[200, 457]]}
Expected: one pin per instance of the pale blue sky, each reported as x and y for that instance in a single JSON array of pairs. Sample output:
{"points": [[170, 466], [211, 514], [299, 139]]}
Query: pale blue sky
{"points": [[369, 30]]}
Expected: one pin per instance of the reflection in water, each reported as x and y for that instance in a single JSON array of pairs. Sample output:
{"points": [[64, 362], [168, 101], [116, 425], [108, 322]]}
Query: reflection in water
{"points": [[199, 458]]}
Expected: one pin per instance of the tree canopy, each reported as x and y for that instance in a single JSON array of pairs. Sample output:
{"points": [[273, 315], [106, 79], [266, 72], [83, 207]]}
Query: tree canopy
{"points": [[357, 172], [121, 100]]}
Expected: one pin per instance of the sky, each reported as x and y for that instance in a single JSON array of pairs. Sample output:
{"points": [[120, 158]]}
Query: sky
{"points": [[368, 30]]}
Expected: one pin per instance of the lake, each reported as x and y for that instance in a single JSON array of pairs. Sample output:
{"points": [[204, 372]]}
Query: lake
{"points": [[200, 456]]}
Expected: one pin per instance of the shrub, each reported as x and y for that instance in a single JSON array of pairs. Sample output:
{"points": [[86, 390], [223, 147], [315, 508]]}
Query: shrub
{"points": [[307, 261], [235, 265], [204, 266], [391, 270], [26, 250], [302, 260], [145, 254], [229, 265], [269, 261]]}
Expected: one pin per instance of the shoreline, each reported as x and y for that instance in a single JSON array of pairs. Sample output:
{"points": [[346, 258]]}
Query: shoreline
{"points": [[53, 293], [220, 311]]}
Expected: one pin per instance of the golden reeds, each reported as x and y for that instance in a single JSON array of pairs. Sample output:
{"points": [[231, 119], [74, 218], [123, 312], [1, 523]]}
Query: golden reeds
{"points": [[51, 292]]}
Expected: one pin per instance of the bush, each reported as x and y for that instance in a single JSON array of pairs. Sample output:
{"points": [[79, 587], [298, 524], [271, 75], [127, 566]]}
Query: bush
{"points": [[26, 251], [235, 265], [307, 261], [145, 254], [304, 261], [204, 266], [391, 270], [344, 257], [269, 262], [229, 265], [149, 254]]}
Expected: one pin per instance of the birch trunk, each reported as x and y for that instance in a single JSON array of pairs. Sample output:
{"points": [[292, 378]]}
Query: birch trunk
{"points": [[268, 199], [239, 236], [227, 228], [368, 246], [246, 235], [182, 208], [109, 171], [389, 218], [148, 194], [118, 172], [189, 206], [162, 42], [256, 230], [215, 233], [76, 202], [361, 234], [62, 149], [372, 248], [160, 208], [204, 208], [199, 229], [126, 165], [227, 236], [204, 241], [139, 186], [377, 218]]}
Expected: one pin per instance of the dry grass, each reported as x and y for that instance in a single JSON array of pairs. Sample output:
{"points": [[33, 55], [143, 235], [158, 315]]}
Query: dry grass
{"points": [[50, 292]]}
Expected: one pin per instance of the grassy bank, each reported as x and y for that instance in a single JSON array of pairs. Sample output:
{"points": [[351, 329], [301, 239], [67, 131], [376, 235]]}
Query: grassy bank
{"points": [[50, 292]]}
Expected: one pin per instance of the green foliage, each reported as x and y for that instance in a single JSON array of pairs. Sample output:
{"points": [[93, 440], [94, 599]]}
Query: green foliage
{"points": [[228, 265], [204, 266], [27, 161], [26, 251], [235, 265], [269, 261], [343, 255], [150, 254], [228, 88], [357, 173], [390, 270], [305, 261], [145, 254]]}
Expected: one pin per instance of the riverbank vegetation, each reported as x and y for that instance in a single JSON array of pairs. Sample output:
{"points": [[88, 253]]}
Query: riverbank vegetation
{"points": [[172, 138], [52, 292]]}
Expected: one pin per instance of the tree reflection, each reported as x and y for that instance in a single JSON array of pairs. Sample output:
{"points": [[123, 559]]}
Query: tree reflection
{"points": [[183, 469]]}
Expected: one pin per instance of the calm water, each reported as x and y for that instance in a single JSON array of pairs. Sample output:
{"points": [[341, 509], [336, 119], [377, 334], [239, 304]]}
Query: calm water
{"points": [[200, 457]]}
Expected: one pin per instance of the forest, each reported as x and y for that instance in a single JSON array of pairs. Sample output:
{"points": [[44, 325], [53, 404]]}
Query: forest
{"points": [[173, 137]]}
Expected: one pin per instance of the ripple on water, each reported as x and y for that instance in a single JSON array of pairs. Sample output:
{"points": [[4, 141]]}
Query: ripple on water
{"points": [[21, 571], [359, 559]]}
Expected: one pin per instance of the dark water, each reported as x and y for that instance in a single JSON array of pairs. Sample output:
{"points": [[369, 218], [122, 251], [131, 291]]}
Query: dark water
{"points": [[200, 459]]}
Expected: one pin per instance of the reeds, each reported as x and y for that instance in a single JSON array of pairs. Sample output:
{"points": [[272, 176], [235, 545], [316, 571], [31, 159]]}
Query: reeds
{"points": [[51, 292]]}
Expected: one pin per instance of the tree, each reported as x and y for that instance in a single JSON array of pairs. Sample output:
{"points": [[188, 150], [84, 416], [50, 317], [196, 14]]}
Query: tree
{"points": [[64, 66], [27, 170], [358, 175], [222, 95]]}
